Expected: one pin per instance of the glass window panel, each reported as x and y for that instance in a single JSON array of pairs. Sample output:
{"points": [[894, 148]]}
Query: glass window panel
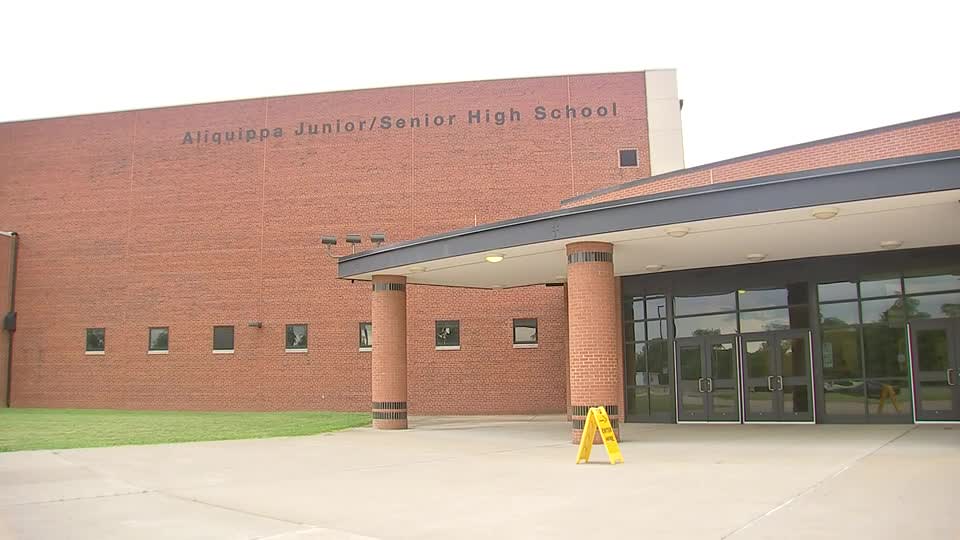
{"points": [[448, 333], [764, 320], [366, 335], [638, 401], [843, 314], [885, 351], [524, 331], [634, 355], [634, 331], [765, 298], [296, 336], [159, 339], [933, 306], [844, 397], [841, 354], [889, 397], [223, 338], [656, 307], [711, 303], [888, 311], [844, 290], [96, 339], [633, 308], [941, 282], [706, 325], [657, 329], [880, 287]]}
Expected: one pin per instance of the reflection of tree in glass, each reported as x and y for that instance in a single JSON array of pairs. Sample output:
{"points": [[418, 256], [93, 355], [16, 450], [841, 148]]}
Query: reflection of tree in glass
{"points": [[706, 332], [775, 325], [951, 310], [901, 310]]}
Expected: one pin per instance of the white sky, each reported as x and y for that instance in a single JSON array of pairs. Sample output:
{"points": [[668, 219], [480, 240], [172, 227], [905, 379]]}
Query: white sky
{"points": [[753, 75]]}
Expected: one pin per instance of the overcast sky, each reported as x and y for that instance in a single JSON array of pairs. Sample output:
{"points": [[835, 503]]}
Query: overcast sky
{"points": [[753, 75]]}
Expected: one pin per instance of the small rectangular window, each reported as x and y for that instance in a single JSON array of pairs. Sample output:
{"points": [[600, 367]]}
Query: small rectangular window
{"points": [[159, 340], [448, 334], [366, 335], [628, 158], [96, 340], [296, 337], [524, 331], [223, 339]]}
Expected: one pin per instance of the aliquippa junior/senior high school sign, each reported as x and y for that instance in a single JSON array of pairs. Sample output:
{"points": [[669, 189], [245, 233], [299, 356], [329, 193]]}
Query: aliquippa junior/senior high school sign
{"points": [[340, 126]]}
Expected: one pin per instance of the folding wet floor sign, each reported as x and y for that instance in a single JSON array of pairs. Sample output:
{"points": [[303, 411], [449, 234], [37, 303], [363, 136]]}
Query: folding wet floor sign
{"points": [[597, 418]]}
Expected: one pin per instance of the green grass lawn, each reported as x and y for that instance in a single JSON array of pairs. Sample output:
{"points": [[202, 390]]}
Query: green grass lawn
{"points": [[35, 429]]}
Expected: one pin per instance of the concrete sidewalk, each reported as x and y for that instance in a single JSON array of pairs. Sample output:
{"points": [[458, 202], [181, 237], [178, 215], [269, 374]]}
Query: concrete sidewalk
{"points": [[499, 477]]}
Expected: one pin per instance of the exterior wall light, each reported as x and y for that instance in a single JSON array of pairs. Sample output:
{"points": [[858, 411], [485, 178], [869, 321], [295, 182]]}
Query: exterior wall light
{"points": [[825, 213], [353, 239], [493, 258], [756, 257], [653, 267], [891, 244], [678, 232]]}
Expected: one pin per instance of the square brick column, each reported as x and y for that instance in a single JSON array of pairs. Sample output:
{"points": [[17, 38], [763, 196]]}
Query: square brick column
{"points": [[592, 317], [389, 342]]}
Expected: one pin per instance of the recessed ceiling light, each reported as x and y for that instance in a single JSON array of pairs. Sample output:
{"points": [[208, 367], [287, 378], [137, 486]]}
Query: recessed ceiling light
{"points": [[493, 258], [825, 213], [678, 232], [653, 267], [561, 276], [754, 257], [497, 286], [416, 269], [891, 244]]}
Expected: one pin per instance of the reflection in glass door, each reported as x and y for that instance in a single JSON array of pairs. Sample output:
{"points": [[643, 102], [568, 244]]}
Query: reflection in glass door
{"points": [[708, 379], [935, 348], [777, 377]]}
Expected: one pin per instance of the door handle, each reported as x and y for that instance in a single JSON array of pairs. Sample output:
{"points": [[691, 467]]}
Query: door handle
{"points": [[770, 383], [709, 384], [780, 383], [700, 384], [951, 381]]}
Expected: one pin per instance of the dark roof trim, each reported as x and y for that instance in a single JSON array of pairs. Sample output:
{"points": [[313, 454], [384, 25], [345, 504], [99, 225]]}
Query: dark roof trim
{"points": [[756, 155], [832, 185]]}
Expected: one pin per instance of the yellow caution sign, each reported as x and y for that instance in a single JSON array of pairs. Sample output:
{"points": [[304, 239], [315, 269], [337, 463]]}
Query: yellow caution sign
{"points": [[597, 419]]}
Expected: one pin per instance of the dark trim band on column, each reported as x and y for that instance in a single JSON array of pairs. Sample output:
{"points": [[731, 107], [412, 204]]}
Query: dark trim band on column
{"points": [[579, 423], [393, 415], [390, 405], [389, 287], [582, 410], [590, 256]]}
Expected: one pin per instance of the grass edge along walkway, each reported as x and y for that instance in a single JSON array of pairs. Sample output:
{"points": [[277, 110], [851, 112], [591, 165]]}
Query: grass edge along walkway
{"points": [[47, 429]]}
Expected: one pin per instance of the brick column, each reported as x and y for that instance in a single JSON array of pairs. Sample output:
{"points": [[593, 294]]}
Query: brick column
{"points": [[389, 343], [594, 344]]}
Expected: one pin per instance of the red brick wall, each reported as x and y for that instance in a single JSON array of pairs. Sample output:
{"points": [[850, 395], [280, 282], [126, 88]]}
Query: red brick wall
{"points": [[125, 227], [6, 268], [934, 135]]}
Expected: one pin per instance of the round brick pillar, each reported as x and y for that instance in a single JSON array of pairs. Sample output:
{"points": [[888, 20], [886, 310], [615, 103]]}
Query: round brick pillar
{"points": [[389, 342], [593, 333]]}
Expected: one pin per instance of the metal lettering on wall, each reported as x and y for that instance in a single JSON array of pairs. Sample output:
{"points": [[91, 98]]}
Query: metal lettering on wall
{"points": [[389, 122]]}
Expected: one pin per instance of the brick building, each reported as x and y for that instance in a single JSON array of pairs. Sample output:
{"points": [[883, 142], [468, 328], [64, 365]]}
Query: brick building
{"points": [[546, 250]]}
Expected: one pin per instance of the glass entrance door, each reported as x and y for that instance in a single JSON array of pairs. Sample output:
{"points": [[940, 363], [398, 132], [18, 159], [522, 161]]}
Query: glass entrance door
{"points": [[708, 379], [935, 347], [777, 378]]}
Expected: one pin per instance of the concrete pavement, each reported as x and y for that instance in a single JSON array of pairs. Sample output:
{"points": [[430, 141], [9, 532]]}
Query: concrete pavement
{"points": [[499, 477]]}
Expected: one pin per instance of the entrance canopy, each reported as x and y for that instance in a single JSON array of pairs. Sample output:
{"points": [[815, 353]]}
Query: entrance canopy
{"points": [[889, 204]]}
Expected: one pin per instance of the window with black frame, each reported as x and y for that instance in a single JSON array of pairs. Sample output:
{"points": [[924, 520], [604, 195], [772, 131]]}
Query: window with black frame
{"points": [[524, 332], [366, 336], [646, 359], [96, 341], [447, 335], [864, 358]]}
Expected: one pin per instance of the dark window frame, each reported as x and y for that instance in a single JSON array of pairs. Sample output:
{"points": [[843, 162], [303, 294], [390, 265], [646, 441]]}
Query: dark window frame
{"points": [[233, 337], [150, 339], [103, 340], [368, 345], [636, 158], [536, 331], [306, 337], [436, 332]]}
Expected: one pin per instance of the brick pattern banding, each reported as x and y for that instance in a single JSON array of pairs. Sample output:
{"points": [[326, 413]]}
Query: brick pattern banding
{"points": [[589, 256], [389, 371], [592, 315], [390, 287]]}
